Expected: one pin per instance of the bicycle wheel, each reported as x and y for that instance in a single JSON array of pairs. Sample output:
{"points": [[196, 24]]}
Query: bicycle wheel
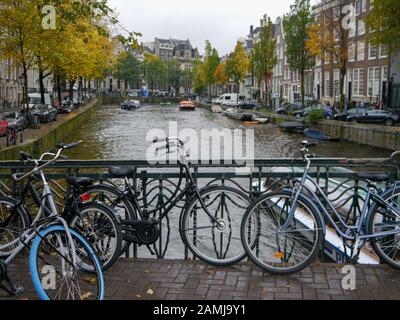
{"points": [[13, 220], [98, 224], [383, 219], [122, 207], [55, 276], [281, 251], [207, 241]]}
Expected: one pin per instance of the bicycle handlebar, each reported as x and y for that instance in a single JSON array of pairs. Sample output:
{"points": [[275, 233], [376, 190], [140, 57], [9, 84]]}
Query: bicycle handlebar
{"points": [[56, 156]]}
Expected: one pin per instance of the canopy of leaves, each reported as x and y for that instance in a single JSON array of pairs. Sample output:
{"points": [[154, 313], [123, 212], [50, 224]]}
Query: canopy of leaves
{"points": [[238, 63]]}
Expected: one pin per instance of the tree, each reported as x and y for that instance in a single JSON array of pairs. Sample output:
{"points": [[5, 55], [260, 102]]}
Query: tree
{"points": [[186, 80], [237, 65], [221, 78], [328, 39], [174, 73], [211, 61], [264, 58], [383, 22], [296, 24], [153, 70], [127, 69], [200, 82], [19, 30]]}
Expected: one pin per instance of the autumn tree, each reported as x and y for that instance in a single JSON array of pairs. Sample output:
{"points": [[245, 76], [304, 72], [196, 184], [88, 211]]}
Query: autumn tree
{"points": [[199, 82], [237, 65], [296, 24], [383, 22], [211, 61], [264, 58], [186, 80], [220, 75], [328, 39]]}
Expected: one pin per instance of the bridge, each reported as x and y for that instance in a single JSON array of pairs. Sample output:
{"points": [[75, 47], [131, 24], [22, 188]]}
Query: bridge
{"points": [[176, 275]]}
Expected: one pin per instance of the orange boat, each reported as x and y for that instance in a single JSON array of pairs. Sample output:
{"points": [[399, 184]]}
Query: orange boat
{"points": [[187, 105]]}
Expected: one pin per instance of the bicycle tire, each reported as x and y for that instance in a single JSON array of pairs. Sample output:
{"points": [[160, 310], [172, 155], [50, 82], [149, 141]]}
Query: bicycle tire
{"points": [[34, 257], [273, 245], [118, 205], [372, 225], [23, 223], [198, 244], [96, 239]]}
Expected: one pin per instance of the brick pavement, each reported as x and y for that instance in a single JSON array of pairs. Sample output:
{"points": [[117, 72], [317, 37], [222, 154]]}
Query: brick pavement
{"points": [[144, 279]]}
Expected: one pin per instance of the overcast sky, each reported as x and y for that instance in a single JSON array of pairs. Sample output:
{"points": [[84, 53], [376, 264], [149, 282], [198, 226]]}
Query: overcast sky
{"points": [[220, 21]]}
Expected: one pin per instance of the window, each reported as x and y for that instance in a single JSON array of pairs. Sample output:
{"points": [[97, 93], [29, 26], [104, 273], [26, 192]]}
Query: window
{"points": [[352, 31], [374, 75], [336, 84], [336, 13], [352, 51], [361, 51], [383, 49], [318, 60], [327, 84], [361, 27], [372, 52], [327, 58], [358, 82], [358, 7], [364, 5]]}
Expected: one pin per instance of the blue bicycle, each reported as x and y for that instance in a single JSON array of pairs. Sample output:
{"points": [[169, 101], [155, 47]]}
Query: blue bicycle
{"points": [[62, 263], [283, 231]]}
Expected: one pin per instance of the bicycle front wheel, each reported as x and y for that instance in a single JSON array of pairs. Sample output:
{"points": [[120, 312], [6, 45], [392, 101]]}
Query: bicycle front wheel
{"points": [[384, 219], [278, 250], [211, 242], [58, 271]]}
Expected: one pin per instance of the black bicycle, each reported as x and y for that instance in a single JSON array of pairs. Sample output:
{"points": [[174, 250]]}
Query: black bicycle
{"points": [[97, 222], [209, 222]]}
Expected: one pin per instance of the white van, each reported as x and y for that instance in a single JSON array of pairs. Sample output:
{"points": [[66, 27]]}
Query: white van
{"points": [[35, 98], [229, 99]]}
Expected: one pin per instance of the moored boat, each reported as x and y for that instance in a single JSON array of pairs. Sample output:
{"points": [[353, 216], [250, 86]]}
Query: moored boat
{"points": [[292, 126], [315, 134], [187, 105]]}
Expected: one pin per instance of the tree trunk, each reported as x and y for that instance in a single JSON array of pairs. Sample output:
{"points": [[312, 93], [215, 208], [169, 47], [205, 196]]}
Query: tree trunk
{"points": [[71, 89], [59, 93], [302, 88], [25, 89], [341, 94]]}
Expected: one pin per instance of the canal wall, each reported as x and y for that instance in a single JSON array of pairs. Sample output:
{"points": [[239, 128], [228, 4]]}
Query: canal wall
{"points": [[372, 135], [47, 138], [367, 134]]}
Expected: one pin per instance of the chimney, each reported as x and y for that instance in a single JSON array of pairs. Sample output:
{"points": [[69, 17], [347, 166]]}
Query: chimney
{"points": [[251, 29]]}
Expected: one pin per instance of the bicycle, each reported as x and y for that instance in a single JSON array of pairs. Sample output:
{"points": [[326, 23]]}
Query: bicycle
{"points": [[209, 223], [283, 231], [59, 256], [97, 222]]}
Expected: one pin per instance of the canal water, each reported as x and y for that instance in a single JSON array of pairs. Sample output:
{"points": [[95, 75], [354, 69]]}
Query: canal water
{"points": [[115, 134], [112, 133]]}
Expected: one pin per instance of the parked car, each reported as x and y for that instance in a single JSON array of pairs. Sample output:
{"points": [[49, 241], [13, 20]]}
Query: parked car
{"points": [[350, 112], [14, 119], [375, 117], [3, 127], [288, 108], [66, 107], [328, 112], [44, 112]]}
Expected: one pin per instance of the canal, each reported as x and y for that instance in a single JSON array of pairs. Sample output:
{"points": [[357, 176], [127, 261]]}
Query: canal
{"points": [[112, 133]]}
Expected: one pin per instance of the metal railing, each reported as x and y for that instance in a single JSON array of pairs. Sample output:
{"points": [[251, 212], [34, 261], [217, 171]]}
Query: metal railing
{"points": [[335, 175]]}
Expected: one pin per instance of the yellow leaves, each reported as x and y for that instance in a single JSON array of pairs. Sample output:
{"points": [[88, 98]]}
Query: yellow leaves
{"points": [[237, 65], [220, 74]]}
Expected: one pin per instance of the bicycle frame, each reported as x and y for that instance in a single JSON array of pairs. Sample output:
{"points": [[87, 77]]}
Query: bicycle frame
{"points": [[359, 227], [31, 232], [177, 197]]}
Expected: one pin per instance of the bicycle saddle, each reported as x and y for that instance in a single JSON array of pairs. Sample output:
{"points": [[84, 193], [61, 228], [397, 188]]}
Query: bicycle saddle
{"points": [[79, 181], [121, 172], [377, 177]]}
